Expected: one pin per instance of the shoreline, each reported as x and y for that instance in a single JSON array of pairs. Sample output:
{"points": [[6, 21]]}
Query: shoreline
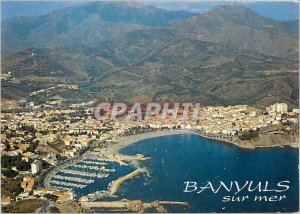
{"points": [[128, 140], [113, 150]]}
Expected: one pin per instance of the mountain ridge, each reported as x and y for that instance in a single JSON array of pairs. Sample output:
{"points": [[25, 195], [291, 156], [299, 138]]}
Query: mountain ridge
{"points": [[105, 14], [206, 57], [251, 31]]}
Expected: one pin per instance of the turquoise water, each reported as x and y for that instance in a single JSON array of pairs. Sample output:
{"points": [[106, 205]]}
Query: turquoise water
{"points": [[180, 158]]}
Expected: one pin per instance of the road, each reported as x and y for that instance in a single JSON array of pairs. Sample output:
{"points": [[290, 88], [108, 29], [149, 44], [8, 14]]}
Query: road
{"points": [[45, 206], [65, 163]]}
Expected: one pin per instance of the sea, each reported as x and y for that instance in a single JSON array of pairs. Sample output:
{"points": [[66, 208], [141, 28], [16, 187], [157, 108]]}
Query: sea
{"points": [[178, 159]]}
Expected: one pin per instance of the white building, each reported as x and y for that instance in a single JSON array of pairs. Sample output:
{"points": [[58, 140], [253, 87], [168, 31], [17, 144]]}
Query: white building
{"points": [[278, 108], [282, 108], [36, 166]]}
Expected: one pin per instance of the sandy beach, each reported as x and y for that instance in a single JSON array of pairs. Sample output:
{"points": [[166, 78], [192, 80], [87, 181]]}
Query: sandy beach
{"points": [[128, 140]]}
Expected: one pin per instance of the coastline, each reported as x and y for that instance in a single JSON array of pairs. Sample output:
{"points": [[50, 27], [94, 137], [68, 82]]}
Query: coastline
{"points": [[128, 140], [113, 150], [113, 154]]}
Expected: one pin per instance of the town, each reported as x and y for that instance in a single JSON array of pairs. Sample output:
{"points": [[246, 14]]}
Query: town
{"points": [[36, 139]]}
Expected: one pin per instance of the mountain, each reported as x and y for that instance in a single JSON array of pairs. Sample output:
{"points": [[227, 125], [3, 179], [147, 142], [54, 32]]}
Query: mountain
{"points": [[277, 10], [281, 11], [129, 52], [88, 24], [108, 21], [242, 28]]}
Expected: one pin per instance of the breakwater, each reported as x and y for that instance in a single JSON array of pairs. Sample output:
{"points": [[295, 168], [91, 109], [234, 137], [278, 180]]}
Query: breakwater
{"points": [[115, 185]]}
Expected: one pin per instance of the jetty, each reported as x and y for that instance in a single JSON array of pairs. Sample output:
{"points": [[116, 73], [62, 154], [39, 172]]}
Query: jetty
{"points": [[124, 159], [115, 185]]}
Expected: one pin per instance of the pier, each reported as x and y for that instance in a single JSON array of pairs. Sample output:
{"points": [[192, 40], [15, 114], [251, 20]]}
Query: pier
{"points": [[68, 184], [84, 174], [96, 168], [93, 162], [124, 159], [75, 179], [115, 185]]}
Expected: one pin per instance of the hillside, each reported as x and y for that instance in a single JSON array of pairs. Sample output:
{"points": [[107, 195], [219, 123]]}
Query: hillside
{"points": [[277, 10], [230, 55], [244, 29], [83, 24]]}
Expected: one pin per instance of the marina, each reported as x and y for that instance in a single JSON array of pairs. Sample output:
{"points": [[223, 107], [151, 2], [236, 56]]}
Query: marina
{"points": [[97, 168], [94, 162], [68, 184], [85, 174], [105, 171], [78, 180], [81, 173]]}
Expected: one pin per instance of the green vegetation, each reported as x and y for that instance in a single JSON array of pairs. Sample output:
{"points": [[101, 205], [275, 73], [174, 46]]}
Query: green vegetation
{"points": [[248, 135], [127, 57], [10, 187], [9, 173], [9, 161]]}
